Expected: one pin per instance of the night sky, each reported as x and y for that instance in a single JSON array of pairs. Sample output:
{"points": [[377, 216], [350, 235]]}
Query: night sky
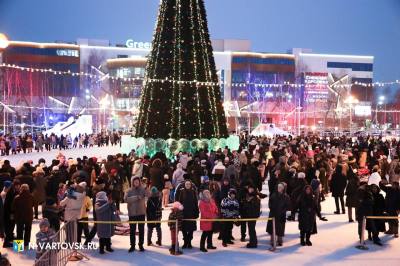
{"points": [[361, 27]]}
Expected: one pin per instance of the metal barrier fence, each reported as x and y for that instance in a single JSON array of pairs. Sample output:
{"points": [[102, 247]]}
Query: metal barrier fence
{"points": [[273, 236], [60, 257], [68, 234], [363, 245]]}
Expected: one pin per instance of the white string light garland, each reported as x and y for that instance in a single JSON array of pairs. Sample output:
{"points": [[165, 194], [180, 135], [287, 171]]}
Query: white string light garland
{"points": [[195, 82]]}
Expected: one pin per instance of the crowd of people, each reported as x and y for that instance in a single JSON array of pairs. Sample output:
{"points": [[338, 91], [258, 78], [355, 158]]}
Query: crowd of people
{"points": [[300, 172], [28, 143]]}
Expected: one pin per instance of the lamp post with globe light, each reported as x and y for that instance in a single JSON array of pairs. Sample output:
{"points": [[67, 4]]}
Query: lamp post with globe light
{"points": [[3, 45]]}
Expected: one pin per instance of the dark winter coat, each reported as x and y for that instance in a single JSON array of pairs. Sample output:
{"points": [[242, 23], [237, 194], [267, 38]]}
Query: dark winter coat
{"points": [[105, 211], [297, 185], [39, 193], [156, 177], [307, 206], [8, 201], [188, 198], [279, 204], [250, 206], [1, 219], [351, 191], [392, 198], [338, 185], [173, 216], [153, 209], [23, 207], [379, 209], [53, 182], [26, 179], [365, 203]]}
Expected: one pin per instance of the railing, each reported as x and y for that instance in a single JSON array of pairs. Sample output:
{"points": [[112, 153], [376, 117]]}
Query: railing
{"points": [[60, 257]]}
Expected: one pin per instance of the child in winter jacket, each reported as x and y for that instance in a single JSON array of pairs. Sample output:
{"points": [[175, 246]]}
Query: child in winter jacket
{"points": [[43, 237], [176, 214], [154, 213], [208, 210], [229, 210]]}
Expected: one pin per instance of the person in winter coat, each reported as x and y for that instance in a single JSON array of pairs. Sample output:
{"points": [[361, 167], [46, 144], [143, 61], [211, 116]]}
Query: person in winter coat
{"points": [[154, 213], [115, 186], [297, 184], [188, 198], [279, 204], [86, 206], [175, 215], [307, 206], [208, 210], [135, 197], [392, 205], [177, 176], [375, 177], [229, 210], [338, 185], [379, 208], [251, 205], [11, 190], [225, 188], [105, 211], [366, 208], [73, 202], [52, 212], [351, 193], [156, 174], [43, 237], [23, 213], [39, 193], [1, 219]]}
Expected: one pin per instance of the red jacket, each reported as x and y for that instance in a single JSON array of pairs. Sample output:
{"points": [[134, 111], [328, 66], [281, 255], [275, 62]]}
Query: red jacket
{"points": [[208, 210]]}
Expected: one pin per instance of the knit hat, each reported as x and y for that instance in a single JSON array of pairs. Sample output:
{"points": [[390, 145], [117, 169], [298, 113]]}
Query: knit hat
{"points": [[44, 222], [7, 184], [301, 175], [281, 185], [154, 190], [101, 196], [232, 191], [177, 206]]}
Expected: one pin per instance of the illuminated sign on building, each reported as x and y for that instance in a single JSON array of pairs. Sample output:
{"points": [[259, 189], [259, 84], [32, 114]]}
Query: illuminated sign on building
{"points": [[316, 87], [68, 52], [138, 45], [363, 109]]}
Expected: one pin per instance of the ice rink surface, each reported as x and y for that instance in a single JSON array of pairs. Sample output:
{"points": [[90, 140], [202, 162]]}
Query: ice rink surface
{"points": [[333, 245]]}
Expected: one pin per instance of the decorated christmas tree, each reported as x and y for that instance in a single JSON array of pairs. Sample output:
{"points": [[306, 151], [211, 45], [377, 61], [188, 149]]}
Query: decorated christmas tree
{"points": [[181, 96]]}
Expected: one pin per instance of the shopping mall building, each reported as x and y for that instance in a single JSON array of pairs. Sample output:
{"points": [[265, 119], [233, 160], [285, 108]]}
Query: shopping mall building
{"points": [[296, 90]]}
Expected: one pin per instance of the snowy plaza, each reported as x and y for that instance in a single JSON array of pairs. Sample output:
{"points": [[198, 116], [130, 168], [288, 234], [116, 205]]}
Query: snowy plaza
{"points": [[335, 243]]}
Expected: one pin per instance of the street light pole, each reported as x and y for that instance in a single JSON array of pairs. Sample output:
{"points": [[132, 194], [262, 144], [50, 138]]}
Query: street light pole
{"points": [[3, 45]]}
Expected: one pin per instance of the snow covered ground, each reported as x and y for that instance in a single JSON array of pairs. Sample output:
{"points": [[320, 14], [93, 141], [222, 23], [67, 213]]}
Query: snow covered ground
{"points": [[333, 245], [99, 152]]}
